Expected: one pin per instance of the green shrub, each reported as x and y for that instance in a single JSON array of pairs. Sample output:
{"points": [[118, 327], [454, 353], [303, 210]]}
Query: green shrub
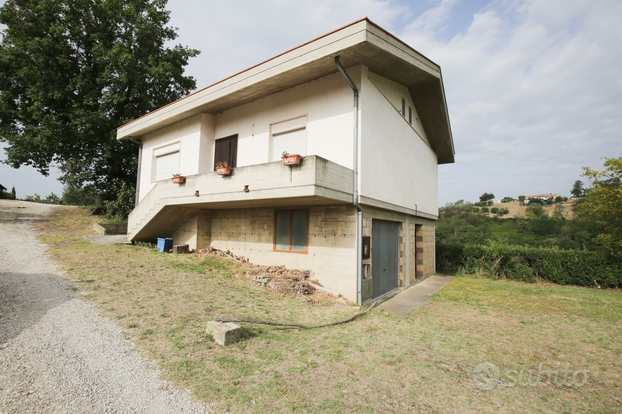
{"points": [[120, 207], [7, 196], [529, 264]]}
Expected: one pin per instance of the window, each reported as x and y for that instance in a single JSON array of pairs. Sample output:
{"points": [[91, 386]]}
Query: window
{"points": [[166, 161], [404, 107], [410, 115], [290, 136], [226, 150], [290, 231]]}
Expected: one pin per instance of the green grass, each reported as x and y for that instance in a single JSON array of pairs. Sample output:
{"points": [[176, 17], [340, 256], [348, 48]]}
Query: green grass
{"points": [[379, 363]]}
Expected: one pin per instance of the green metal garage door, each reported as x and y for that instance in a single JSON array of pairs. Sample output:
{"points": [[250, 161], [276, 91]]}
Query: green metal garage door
{"points": [[385, 256]]}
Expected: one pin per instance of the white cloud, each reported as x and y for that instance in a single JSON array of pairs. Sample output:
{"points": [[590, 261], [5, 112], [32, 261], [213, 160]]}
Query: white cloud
{"points": [[235, 35], [532, 86]]}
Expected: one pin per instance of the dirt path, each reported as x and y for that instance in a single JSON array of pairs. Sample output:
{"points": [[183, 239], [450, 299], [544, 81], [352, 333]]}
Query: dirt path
{"points": [[57, 354]]}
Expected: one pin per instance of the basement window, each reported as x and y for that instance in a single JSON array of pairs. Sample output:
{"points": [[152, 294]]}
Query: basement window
{"points": [[291, 228]]}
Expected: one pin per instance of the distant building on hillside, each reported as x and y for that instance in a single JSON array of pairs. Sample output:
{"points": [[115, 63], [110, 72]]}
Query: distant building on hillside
{"points": [[542, 197], [2, 188]]}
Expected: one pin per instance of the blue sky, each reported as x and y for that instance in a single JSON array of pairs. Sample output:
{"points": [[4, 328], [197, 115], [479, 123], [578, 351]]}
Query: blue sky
{"points": [[533, 86]]}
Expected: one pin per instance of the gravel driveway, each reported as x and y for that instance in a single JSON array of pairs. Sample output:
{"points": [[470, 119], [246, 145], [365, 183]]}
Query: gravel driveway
{"points": [[57, 354]]}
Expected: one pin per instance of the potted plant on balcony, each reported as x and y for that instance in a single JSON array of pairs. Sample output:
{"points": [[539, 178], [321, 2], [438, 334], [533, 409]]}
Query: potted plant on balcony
{"points": [[178, 178], [291, 159], [222, 168]]}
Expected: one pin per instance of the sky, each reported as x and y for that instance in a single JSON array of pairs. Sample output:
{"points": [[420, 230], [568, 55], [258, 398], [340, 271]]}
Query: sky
{"points": [[533, 87]]}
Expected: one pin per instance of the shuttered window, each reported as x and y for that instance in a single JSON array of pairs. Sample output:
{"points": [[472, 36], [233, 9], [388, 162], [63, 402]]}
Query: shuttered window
{"points": [[166, 160], [289, 136], [226, 150], [290, 231]]}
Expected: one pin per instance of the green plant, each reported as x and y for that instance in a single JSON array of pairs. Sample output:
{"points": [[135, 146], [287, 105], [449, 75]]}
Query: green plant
{"points": [[222, 164], [565, 267], [121, 206]]}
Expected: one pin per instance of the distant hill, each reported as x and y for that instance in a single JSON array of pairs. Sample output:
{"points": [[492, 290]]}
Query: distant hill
{"points": [[521, 211]]}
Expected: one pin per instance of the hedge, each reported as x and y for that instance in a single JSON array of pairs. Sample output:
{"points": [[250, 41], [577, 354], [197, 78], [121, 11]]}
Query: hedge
{"points": [[530, 264]]}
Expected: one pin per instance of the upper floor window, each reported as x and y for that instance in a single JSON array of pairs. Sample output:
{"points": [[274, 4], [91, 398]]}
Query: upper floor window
{"points": [[226, 150], [166, 161], [290, 136]]}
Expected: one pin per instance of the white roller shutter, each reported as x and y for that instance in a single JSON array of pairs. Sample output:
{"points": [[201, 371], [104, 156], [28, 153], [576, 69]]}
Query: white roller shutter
{"points": [[294, 142], [166, 166]]}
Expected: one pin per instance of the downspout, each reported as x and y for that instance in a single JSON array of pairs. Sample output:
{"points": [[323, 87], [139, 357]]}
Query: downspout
{"points": [[140, 159], [355, 185]]}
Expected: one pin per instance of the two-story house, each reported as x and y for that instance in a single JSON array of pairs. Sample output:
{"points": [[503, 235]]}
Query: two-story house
{"points": [[367, 113]]}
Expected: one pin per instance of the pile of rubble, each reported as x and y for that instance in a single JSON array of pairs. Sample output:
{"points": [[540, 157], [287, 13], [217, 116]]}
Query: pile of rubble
{"points": [[291, 282]]}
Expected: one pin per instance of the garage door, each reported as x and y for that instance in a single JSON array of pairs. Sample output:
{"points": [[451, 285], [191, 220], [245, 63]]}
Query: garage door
{"points": [[385, 256]]}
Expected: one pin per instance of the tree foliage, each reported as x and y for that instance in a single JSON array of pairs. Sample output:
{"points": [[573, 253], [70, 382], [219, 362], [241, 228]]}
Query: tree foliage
{"points": [[603, 203], [486, 197], [73, 71], [577, 189], [462, 224]]}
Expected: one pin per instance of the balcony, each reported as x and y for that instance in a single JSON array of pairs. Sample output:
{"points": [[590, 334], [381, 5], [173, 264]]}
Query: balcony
{"points": [[167, 206]]}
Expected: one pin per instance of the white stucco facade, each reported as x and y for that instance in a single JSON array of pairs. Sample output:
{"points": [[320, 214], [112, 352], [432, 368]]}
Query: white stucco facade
{"points": [[397, 164]]}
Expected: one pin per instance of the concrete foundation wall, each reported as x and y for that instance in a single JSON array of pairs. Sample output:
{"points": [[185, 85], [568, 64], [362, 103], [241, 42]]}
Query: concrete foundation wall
{"points": [[331, 249], [196, 232]]}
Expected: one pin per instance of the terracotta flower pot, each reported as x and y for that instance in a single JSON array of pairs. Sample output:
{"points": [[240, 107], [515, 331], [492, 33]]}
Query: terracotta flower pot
{"points": [[291, 159], [223, 170], [179, 179]]}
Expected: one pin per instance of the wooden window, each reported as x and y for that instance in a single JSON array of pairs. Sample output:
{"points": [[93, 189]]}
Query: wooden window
{"points": [[226, 150], [291, 229]]}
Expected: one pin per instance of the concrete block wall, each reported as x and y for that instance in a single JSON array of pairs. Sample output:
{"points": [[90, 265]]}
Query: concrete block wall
{"points": [[196, 232], [424, 239], [331, 254]]}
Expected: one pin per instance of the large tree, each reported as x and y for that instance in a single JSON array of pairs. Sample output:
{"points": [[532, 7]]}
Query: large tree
{"points": [[603, 203], [72, 71], [577, 189]]}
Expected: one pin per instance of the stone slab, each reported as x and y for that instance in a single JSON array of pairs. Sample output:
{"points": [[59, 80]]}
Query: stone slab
{"points": [[224, 333]]}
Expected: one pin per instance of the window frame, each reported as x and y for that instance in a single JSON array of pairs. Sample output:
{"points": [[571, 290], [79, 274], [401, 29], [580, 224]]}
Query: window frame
{"points": [[232, 150], [290, 211]]}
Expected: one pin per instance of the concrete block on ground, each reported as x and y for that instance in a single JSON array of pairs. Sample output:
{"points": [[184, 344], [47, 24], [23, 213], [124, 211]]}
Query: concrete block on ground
{"points": [[224, 333], [181, 248]]}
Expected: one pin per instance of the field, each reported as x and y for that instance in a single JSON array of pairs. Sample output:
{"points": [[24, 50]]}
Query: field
{"points": [[570, 338]]}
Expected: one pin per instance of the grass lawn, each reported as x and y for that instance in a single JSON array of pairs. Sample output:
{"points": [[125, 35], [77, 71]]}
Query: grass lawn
{"points": [[378, 363]]}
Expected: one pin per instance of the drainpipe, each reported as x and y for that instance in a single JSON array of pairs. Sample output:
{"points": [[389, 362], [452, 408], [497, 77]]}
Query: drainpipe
{"points": [[355, 185], [140, 158]]}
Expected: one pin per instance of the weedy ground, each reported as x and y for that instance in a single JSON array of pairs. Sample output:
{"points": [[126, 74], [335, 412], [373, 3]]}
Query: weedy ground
{"points": [[379, 363]]}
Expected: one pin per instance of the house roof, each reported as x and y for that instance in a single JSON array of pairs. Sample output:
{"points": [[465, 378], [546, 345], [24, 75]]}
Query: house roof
{"points": [[359, 43], [2, 188]]}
